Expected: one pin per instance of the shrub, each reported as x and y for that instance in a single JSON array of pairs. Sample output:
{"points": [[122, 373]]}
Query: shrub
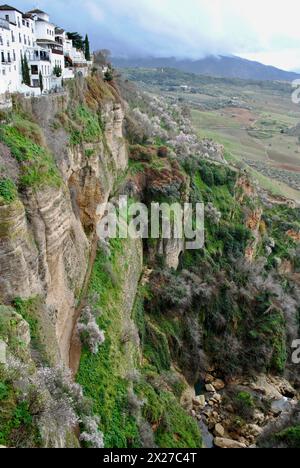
{"points": [[91, 435], [90, 332], [244, 405], [141, 153], [163, 152], [57, 71], [290, 437], [84, 126], [156, 348], [37, 164], [8, 190]]}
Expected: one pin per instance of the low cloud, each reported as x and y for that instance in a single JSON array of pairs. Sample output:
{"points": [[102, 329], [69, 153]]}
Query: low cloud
{"points": [[193, 28]]}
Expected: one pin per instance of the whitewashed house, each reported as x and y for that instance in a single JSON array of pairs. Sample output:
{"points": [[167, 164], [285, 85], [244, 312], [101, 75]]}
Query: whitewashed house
{"points": [[12, 35], [49, 52], [75, 61], [45, 39]]}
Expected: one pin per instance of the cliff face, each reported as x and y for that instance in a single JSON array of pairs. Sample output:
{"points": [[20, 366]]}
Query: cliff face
{"points": [[159, 321], [47, 233]]}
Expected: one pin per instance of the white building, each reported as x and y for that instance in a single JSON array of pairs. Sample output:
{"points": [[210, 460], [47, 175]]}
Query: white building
{"points": [[49, 52], [74, 59]]}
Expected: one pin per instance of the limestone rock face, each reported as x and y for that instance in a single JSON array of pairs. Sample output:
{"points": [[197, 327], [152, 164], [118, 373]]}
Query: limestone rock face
{"points": [[219, 430], [46, 236], [228, 444], [171, 249], [18, 255]]}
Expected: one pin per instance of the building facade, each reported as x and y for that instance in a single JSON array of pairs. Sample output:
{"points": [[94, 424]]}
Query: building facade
{"points": [[49, 53]]}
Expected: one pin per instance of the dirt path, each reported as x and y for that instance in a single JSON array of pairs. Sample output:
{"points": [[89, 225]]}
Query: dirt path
{"points": [[75, 345]]}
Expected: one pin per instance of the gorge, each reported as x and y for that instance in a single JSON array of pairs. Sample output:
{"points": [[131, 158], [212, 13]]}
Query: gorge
{"points": [[139, 322]]}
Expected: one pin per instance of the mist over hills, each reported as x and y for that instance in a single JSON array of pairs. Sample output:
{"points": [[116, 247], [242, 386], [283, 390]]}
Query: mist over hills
{"points": [[222, 66]]}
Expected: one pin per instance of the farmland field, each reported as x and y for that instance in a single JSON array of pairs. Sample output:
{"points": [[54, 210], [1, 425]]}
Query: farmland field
{"points": [[255, 121]]}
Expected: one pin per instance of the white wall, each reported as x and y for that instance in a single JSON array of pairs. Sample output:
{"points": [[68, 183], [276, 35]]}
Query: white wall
{"points": [[9, 59], [18, 37], [44, 30]]}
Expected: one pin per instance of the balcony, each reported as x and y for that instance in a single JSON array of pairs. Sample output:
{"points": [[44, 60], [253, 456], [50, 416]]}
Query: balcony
{"points": [[38, 56], [57, 52]]}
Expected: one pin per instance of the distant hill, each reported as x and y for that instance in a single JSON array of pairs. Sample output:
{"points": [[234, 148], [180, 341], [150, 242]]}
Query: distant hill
{"points": [[222, 67]]}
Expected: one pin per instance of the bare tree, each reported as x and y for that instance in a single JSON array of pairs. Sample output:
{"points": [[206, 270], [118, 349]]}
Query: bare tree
{"points": [[102, 57]]}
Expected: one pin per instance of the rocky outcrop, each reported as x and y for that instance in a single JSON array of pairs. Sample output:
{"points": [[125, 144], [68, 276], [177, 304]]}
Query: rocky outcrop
{"points": [[228, 444], [212, 150], [46, 236]]}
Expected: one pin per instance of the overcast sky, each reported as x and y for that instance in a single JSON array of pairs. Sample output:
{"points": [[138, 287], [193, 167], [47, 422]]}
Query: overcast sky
{"points": [[264, 30]]}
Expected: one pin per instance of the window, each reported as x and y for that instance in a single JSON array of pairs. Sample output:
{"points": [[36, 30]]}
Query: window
{"points": [[20, 38], [2, 57], [7, 17], [34, 70]]}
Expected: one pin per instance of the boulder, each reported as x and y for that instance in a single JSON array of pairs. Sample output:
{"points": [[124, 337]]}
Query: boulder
{"points": [[266, 387], [217, 397], [280, 406], [258, 417], [219, 430], [254, 430], [283, 386], [218, 384], [199, 401], [210, 388], [209, 378], [228, 443]]}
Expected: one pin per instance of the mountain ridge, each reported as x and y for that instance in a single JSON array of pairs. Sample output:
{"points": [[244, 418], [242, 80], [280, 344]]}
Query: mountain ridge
{"points": [[221, 67]]}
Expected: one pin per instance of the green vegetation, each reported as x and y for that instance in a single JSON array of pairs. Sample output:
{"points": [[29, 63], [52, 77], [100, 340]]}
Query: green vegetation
{"points": [[244, 405], [85, 126], [8, 191], [16, 422], [175, 428], [156, 348], [87, 52], [57, 71], [25, 142], [25, 70], [28, 310], [290, 437], [101, 374]]}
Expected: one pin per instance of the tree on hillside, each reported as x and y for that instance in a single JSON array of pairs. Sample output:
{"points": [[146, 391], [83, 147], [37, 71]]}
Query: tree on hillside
{"points": [[77, 39], [57, 71], [25, 71], [41, 82], [87, 51], [109, 74], [102, 57]]}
